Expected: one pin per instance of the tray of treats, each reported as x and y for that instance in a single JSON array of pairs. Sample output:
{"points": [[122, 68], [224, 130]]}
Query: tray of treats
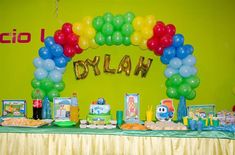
{"points": [[164, 125], [133, 127], [23, 122]]}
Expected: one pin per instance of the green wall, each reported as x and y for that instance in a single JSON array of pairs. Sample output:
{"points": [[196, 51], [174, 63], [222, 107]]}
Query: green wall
{"points": [[207, 25]]}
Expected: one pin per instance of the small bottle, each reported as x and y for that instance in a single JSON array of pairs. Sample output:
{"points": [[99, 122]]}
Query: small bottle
{"points": [[44, 108], [48, 109], [37, 106], [74, 108]]}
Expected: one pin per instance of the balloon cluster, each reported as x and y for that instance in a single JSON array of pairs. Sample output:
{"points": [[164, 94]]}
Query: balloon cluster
{"points": [[108, 29], [143, 27], [180, 71], [162, 38], [86, 32], [113, 30]]}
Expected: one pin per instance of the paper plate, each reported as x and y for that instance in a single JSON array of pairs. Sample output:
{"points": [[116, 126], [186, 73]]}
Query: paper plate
{"points": [[65, 123]]}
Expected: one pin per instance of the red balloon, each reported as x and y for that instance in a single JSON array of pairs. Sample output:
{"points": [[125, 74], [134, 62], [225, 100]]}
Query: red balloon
{"points": [[170, 29], [152, 43], [72, 39], [78, 49], [159, 29], [159, 50], [59, 37], [166, 40], [69, 51], [67, 28]]}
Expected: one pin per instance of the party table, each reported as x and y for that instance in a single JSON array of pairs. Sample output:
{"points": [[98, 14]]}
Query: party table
{"points": [[55, 140]]}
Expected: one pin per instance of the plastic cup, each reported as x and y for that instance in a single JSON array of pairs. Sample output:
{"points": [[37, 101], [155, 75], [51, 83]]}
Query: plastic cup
{"points": [[185, 121], [189, 119], [199, 125], [119, 116], [215, 123], [149, 116], [192, 124]]}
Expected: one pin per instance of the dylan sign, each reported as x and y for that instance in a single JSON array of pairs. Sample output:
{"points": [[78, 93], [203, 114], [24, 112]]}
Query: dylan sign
{"points": [[81, 68]]}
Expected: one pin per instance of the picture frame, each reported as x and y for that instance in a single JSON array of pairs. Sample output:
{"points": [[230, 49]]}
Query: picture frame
{"points": [[201, 111], [14, 108], [132, 108], [62, 108]]}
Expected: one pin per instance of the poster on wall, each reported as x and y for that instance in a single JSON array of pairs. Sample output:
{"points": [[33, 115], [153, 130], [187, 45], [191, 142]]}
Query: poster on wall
{"points": [[13, 108], [132, 108]]}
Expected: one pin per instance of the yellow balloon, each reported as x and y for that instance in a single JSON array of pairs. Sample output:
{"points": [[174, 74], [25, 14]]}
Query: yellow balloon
{"points": [[83, 43], [93, 44], [138, 22], [136, 38], [87, 20], [150, 20], [78, 28], [143, 44], [89, 32], [146, 32]]}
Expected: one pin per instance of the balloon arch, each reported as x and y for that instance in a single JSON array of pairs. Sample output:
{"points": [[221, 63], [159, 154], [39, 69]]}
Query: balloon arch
{"points": [[110, 29]]}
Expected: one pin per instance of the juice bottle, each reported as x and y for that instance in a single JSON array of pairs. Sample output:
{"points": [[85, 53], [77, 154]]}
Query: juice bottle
{"points": [[74, 108]]}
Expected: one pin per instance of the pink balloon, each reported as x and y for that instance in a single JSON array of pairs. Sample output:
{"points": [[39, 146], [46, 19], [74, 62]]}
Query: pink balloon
{"points": [[72, 39], [159, 29], [166, 40], [170, 29], [78, 49]]}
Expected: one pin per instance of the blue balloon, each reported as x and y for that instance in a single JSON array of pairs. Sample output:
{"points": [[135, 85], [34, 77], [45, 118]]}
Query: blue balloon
{"points": [[189, 60], [175, 63], [181, 52], [193, 71], [189, 48], [44, 53], [56, 50], [55, 76], [178, 40], [60, 62], [40, 73], [164, 60], [185, 71], [38, 62], [170, 71], [49, 41], [49, 65], [61, 70], [169, 52], [67, 58]]}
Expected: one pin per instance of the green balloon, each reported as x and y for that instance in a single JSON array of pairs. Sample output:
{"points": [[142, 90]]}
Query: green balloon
{"points": [[171, 92], [176, 80], [126, 41], [108, 40], [38, 94], [193, 81], [184, 89], [100, 39], [128, 17], [47, 84], [59, 86], [52, 94], [35, 83], [108, 17], [192, 95], [168, 83], [117, 38], [98, 22], [118, 21], [107, 29], [127, 29]]}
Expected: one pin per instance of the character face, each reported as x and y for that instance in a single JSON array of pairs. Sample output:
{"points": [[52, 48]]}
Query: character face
{"points": [[162, 109], [162, 112]]}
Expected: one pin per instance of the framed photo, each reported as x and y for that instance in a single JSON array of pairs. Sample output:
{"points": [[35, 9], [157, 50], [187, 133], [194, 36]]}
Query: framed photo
{"points": [[132, 108], [62, 108], [201, 111], [14, 108]]}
